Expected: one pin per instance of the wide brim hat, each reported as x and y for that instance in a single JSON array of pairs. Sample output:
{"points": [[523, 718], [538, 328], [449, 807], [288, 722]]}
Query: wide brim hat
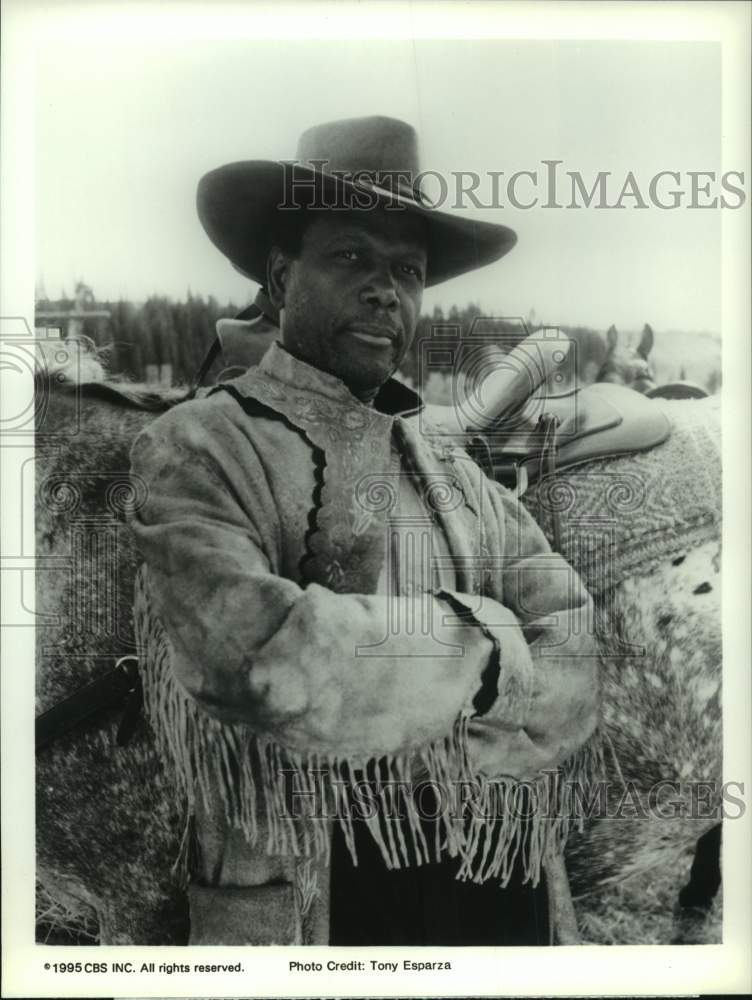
{"points": [[354, 164]]}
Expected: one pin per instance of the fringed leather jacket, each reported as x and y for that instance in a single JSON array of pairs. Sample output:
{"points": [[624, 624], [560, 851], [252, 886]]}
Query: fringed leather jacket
{"points": [[334, 589]]}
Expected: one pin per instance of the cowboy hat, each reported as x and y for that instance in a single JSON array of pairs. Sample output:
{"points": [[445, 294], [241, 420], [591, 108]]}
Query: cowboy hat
{"points": [[355, 163]]}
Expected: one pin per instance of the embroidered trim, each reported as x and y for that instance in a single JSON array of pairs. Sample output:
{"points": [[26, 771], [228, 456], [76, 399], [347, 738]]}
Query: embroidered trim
{"points": [[252, 407], [354, 442], [345, 546]]}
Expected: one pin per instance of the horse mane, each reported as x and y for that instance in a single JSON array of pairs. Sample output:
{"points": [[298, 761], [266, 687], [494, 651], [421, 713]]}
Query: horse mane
{"points": [[80, 369], [134, 395]]}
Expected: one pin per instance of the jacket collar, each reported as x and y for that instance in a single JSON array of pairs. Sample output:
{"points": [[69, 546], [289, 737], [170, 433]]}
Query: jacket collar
{"points": [[393, 398]]}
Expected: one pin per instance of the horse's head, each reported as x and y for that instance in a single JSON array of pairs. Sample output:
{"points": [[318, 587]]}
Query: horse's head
{"points": [[70, 361], [75, 368], [628, 367]]}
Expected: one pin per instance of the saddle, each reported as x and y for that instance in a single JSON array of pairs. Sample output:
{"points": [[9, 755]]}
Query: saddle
{"points": [[532, 430], [552, 433]]}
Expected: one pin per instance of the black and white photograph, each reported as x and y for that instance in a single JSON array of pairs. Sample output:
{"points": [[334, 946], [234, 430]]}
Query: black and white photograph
{"points": [[376, 550]]}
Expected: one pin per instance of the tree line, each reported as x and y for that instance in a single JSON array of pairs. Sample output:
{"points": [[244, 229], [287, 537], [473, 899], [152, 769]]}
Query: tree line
{"points": [[137, 337], [163, 334]]}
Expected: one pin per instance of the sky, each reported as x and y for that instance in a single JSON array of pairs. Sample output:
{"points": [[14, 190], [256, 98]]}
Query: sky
{"points": [[125, 131]]}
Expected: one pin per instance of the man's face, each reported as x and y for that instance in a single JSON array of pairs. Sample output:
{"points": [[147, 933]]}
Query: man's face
{"points": [[352, 296]]}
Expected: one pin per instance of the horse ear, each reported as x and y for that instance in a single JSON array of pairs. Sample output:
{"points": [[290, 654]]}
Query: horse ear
{"points": [[646, 342], [612, 336]]}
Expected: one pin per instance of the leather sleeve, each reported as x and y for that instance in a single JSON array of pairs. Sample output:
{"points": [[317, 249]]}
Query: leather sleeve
{"points": [[549, 601]]}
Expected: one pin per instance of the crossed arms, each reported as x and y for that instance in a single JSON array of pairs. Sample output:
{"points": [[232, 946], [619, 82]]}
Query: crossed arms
{"points": [[250, 645]]}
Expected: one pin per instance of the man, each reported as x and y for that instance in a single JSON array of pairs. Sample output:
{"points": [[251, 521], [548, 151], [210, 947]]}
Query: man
{"points": [[316, 656]]}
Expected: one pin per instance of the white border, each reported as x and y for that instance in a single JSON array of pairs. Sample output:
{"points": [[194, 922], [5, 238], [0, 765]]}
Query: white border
{"points": [[28, 26]]}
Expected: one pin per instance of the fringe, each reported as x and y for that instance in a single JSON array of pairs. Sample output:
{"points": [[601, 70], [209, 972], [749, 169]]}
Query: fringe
{"points": [[288, 800], [526, 820]]}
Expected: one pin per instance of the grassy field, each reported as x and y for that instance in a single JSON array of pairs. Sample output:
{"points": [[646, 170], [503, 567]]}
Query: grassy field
{"points": [[643, 910], [639, 911]]}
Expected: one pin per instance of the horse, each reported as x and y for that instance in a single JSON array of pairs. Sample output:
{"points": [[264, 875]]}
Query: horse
{"points": [[633, 368], [110, 825]]}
